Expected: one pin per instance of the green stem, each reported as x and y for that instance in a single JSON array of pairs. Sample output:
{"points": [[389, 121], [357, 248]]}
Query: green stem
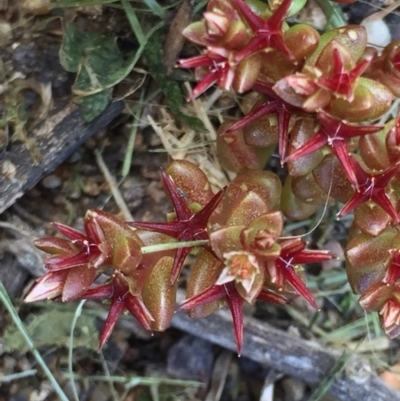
{"points": [[333, 14], [134, 22], [78, 313], [172, 245], [133, 381], [5, 299]]}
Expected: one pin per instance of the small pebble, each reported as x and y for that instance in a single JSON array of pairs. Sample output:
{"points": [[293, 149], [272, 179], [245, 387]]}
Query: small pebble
{"points": [[191, 358], [378, 33], [51, 181], [5, 32]]}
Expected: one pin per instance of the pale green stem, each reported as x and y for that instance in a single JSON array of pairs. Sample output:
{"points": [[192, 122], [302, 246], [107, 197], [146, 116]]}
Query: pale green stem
{"points": [[78, 312], [172, 245], [5, 299]]}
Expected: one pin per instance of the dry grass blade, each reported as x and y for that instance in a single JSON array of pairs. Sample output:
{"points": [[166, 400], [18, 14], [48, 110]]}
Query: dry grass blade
{"points": [[119, 200], [383, 12], [219, 375]]}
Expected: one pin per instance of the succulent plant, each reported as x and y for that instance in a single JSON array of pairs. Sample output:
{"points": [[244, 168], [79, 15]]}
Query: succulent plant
{"points": [[318, 98]]}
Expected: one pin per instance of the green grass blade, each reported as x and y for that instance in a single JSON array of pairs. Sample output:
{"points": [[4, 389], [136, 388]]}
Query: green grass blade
{"points": [[78, 312], [126, 165], [80, 3], [131, 381], [5, 299], [154, 7], [334, 14], [134, 22], [330, 377]]}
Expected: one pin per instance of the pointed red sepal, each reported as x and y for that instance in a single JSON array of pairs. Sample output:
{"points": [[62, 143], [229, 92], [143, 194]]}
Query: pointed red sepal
{"points": [[69, 232], [371, 187], [70, 284], [188, 226], [121, 298], [270, 296], [267, 34], [62, 262], [55, 245], [198, 61], [393, 271], [49, 286], [341, 82], [230, 294], [334, 132], [235, 303], [116, 309], [277, 106], [312, 256], [288, 273], [218, 65], [213, 293]]}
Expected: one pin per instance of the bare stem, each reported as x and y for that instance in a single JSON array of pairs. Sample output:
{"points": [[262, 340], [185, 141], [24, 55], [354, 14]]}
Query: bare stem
{"points": [[172, 245]]}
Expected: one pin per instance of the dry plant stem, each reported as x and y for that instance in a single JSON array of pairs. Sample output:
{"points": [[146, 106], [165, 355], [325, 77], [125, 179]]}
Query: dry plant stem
{"points": [[383, 13], [5, 299], [113, 187], [305, 360], [218, 378]]}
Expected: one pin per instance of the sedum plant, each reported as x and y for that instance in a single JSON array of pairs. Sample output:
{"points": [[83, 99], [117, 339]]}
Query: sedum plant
{"points": [[318, 98]]}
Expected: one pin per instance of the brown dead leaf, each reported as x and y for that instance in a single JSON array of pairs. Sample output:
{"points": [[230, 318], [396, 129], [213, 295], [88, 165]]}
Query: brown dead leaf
{"points": [[36, 7], [174, 41], [392, 377]]}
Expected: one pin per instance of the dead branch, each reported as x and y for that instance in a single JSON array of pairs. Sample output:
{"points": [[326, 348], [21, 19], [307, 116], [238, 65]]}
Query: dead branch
{"points": [[56, 139], [302, 359]]}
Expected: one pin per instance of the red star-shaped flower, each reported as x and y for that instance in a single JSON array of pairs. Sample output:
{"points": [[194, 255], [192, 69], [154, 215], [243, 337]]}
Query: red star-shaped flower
{"points": [[221, 70], [341, 82], [188, 226], [90, 247], [266, 33], [117, 289], [335, 133], [277, 106], [75, 262], [293, 253], [230, 294], [371, 187]]}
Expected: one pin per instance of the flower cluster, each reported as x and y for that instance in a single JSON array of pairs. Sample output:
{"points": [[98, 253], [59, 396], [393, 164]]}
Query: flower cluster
{"points": [[241, 255]]}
